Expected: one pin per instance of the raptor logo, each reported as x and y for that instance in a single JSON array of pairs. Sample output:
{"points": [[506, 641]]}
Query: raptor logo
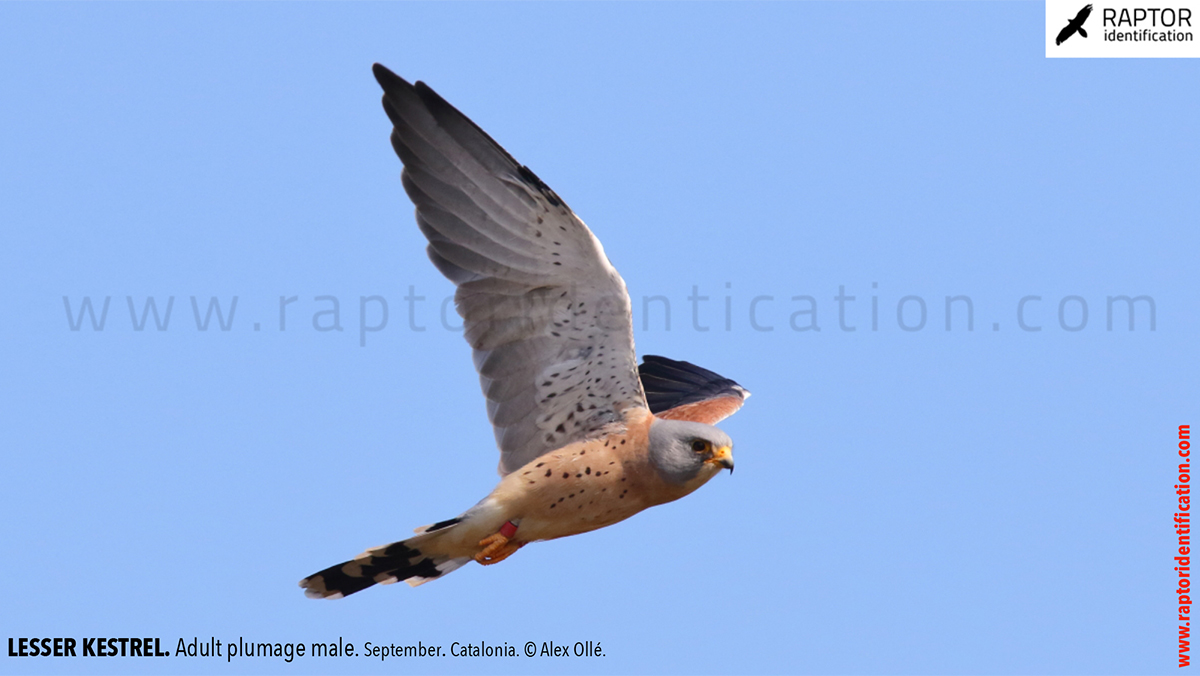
{"points": [[1074, 26]]}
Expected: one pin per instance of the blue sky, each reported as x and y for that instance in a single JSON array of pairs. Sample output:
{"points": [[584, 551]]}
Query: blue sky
{"points": [[994, 500]]}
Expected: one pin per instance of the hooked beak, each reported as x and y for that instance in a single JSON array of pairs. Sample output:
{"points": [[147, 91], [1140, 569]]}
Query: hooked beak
{"points": [[723, 456]]}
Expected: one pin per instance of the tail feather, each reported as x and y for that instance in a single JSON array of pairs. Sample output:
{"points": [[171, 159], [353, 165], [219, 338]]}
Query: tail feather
{"points": [[437, 526], [443, 568], [414, 560]]}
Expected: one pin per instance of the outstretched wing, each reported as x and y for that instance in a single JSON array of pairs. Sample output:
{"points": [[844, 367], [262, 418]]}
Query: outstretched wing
{"points": [[545, 312], [1065, 33], [678, 390], [1082, 15]]}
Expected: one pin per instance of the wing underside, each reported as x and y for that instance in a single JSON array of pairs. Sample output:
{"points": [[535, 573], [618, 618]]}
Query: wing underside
{"points": [[545, 312]]}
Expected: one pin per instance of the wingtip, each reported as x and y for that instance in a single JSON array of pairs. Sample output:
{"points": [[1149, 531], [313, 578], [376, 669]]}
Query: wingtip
{"points": [[387, 79]]}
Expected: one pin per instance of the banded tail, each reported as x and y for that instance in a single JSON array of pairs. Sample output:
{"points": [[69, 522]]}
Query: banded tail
{"points": [[416, 560]]}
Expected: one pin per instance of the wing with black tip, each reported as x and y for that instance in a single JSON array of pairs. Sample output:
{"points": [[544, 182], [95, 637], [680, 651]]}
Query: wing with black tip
{"points": [[545, 312], [678, 390]]}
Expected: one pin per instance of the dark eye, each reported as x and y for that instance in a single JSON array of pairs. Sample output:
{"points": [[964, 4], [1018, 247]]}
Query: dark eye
{"points": [[699, 446]]}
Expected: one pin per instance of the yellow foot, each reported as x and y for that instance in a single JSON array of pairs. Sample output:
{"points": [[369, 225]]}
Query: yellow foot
{"points": [[496, 548]]}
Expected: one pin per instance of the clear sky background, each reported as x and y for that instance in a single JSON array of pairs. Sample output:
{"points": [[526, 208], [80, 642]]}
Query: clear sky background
{"points": [[991, 500]]}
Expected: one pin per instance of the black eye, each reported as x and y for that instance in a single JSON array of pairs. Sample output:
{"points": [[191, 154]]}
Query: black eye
{"points": [[699, 446]]}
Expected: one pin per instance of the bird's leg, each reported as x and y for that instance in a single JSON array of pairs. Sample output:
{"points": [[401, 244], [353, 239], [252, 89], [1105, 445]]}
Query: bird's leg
{"points": [[498, 546]]}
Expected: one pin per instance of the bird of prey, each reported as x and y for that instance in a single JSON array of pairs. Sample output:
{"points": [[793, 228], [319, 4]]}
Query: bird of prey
{"points": [[1074, 25], [587, 438]]}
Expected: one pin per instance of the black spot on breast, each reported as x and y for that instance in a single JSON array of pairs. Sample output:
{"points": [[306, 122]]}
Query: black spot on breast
{"points": [[549, 472], [567, 475]]}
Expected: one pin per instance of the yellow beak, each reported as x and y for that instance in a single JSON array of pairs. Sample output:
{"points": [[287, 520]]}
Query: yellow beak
{"points": [[723, 456]]}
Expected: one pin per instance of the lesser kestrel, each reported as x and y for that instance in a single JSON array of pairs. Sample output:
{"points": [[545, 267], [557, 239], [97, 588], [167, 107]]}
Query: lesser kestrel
{"points": [[586, 438]]}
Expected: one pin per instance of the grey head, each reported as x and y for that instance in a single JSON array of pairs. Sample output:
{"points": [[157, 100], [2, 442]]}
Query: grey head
{"points": [[683, 451]]}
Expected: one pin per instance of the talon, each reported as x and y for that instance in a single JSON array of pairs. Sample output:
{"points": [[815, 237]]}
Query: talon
{"points": [[496, 548]]}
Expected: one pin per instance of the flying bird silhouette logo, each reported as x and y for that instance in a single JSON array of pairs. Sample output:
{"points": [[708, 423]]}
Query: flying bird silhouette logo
{"points": [[1074, 26]]}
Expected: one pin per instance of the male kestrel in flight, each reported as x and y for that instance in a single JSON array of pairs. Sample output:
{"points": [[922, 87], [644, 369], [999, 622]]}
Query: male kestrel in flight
{"points": [[586, 438]]}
